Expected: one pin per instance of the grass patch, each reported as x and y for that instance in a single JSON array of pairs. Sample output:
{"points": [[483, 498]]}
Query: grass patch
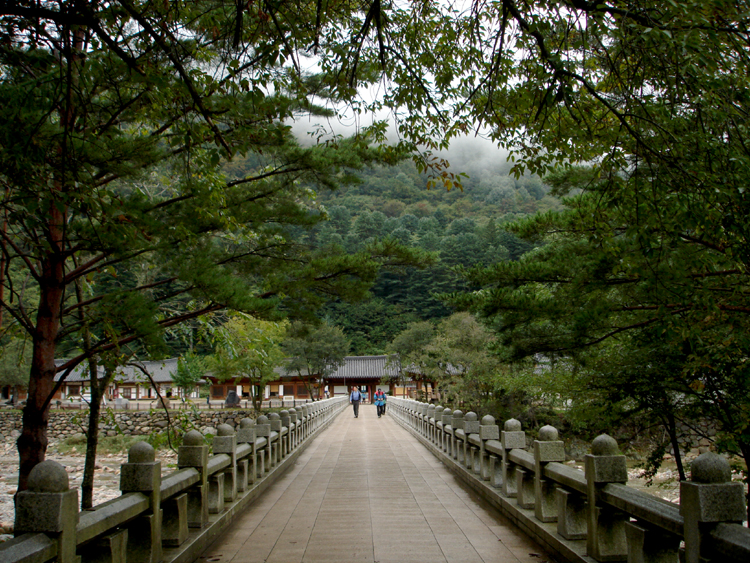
{"points": [[107, 444]]}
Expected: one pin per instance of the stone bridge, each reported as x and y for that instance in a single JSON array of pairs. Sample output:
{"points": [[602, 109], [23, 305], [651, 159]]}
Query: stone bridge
{"points": [[423, 483]]}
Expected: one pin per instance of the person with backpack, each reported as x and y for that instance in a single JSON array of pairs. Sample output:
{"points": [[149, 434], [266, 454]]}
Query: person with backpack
{"points": [[380, 399], [354, 398]]}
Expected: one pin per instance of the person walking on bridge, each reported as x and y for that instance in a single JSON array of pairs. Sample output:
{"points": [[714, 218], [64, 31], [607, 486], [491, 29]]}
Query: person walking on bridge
{"points": [[354, 398], [380, 402]]}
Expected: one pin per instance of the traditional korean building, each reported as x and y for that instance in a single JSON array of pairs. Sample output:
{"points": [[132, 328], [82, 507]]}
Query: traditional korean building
{"points": [[368, 373], [129, 382], [365, 372]]}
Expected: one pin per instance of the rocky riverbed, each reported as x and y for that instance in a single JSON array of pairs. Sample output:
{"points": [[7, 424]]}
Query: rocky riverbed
{"points": [[106, 479]]}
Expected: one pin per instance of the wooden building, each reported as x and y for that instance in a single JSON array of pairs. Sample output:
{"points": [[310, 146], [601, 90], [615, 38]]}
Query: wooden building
{"points": [[368, 373], [365, 372], [129, 381]]}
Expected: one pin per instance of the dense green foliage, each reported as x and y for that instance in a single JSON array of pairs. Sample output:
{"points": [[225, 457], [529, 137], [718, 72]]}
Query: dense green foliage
{"points": [[191, 369], [641, 289], [460, 228], [247, 349], [314, 352], [125, 211], [115, 120]]}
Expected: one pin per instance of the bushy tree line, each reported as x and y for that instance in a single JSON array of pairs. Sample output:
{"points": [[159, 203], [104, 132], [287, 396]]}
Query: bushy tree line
{"points": [[119, 218], [456, 239]]}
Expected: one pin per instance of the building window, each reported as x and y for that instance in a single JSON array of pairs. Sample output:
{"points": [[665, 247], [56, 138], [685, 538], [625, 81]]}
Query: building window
{"points": [[301, 391], [74, 390], [125, 392], [217, 390]]}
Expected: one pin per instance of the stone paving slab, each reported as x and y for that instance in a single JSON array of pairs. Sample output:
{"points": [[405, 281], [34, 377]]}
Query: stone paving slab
{"points": [[367, 491]]}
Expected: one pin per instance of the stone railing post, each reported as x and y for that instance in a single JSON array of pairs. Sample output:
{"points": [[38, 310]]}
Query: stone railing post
{"points": [[246, 470], [430, 422], [471, 451], [287, 441], [49, 507], [304, 412], [275, 421], [194, 453], [142, 474], [511, 438], [293, 429], [437, 436], [313, 417], [225, 442], [488, 430], [606, 539], [708, 499], [547, 449], [457, 423], [263, 430], [424, 419], [445, 439]]}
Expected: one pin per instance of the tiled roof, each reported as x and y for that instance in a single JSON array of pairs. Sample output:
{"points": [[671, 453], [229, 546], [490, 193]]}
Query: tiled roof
{"points": [[364, 367], [161, 371], [355, 367]]}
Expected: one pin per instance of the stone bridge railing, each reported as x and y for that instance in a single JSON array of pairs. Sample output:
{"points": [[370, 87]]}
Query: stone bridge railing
{"points": [[585, 516], [172, 518]]}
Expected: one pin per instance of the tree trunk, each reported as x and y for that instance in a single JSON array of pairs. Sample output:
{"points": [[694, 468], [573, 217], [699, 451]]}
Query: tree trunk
{"points": [[32, 444], [92, 438], [672, 430]]}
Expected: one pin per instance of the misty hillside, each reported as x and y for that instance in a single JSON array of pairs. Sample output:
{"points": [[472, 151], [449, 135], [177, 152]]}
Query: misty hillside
{"points": [[463, 227]]}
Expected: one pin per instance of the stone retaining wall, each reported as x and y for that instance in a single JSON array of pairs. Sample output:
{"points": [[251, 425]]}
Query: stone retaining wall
{"points": [[65, 424]]}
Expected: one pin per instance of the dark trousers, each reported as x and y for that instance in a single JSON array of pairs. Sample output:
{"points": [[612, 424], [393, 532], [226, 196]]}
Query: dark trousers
{"points": [[355, 404], [381, 410]]}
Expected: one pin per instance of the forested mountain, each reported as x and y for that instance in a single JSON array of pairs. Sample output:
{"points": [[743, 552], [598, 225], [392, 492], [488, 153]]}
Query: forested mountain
{"points": [[462, 227]]}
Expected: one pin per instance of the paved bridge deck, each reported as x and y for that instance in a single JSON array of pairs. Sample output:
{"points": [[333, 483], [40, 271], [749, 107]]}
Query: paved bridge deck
{"points": [[367, 491]]}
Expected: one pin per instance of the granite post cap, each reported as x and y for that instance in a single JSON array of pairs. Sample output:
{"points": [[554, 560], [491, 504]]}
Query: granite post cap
{"points": [[471, 417], [193, 438], [604, 444], [548, 433], [48, 477], [262, 419], [488, 420], [710, 468], [141, 452], [225, 430], [247, 423], [512, 425]]}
